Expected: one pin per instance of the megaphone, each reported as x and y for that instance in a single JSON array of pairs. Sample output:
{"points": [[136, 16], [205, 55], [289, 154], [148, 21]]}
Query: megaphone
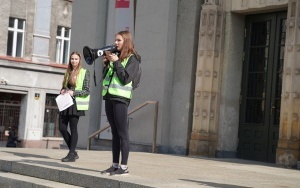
{"points": [[91, 54]]}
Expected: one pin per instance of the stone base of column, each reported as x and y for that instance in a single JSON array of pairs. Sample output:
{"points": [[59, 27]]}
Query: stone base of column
{"points": [[288, 153], [202, 145]]}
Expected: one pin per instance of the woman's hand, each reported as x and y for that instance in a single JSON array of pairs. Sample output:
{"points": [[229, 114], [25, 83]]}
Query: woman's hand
{"points": [[105, 61], [63, 91], [112, 57], [71, 93]]}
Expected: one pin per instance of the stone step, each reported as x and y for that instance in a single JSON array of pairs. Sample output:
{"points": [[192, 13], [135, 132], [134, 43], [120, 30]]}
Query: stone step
{"points": [[146, 170], [63, 174], [20, 181]]}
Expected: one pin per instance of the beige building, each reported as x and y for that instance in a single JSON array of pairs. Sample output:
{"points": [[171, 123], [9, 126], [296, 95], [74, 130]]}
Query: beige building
{"points": [[225, 74]]}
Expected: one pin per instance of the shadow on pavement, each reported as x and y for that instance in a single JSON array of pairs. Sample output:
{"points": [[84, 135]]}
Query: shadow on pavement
{"points": [[219, 185], [51, 164]]}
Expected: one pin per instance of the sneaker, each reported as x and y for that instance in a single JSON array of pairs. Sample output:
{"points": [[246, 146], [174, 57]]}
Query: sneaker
{"points": [[69, 158], [109, 170], [76, 155], [120, 171]]}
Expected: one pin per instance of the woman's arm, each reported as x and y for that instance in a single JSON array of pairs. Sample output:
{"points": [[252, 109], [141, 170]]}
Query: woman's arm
{"points": [[86, 86], [127, 74]]}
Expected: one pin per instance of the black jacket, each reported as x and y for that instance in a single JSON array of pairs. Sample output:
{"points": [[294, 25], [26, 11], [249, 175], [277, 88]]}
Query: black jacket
{"points": [[125, 75]]}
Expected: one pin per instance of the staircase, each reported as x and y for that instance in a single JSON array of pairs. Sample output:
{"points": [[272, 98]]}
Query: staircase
{"points": [[27, 167]]}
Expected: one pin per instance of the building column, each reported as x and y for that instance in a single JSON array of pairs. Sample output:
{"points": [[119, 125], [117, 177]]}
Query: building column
{"points": [[288, 153], [204, 134]]}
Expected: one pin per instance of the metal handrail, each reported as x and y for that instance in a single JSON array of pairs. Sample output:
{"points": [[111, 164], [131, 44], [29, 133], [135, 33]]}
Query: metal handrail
{"points": [[131, 112]]}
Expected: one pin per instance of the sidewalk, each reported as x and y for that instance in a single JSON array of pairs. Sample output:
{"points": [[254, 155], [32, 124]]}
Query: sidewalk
{"points": [[146, 170]]}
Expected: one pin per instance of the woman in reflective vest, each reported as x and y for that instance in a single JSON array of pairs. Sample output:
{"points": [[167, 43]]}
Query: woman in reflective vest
{"points": [[120, 68], [77, 84], [113, 85]]}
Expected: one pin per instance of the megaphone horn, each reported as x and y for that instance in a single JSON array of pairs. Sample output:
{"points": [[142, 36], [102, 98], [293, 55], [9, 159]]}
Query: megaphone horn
{"points": [[90, 55]]}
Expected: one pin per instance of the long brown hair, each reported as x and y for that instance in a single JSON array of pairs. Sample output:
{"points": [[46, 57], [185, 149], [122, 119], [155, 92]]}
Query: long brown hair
{"points": [[72, 74], [128, 46]]}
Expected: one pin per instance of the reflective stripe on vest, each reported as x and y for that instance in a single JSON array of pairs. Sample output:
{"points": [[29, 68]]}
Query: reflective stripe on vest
{"points": [[112, 84], [82, 102]]}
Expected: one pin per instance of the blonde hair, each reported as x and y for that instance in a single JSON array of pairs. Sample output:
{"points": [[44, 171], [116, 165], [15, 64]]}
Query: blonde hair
{"points": [[72, 74]]}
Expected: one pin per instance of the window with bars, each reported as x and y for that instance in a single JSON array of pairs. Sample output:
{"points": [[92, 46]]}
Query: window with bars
{"points": [[15, 39], [63, 37]]}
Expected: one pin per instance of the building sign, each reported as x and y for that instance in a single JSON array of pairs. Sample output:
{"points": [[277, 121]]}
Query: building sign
{"points": [[122, 4]]}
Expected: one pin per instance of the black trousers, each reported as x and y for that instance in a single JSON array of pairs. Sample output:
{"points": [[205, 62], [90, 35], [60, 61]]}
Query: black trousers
{"points": [[116, 113], [71, 139]]}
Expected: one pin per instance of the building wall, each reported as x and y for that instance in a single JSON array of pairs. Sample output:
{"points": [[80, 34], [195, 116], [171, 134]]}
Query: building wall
{"points": [[169, 47], [231, 85], [262, 6], [232, 67], [155, 40], [4, 14], [25, 10], [166, 38], [89, 29], [63, 17], [183, 81], [36, 72], [227, 127]]}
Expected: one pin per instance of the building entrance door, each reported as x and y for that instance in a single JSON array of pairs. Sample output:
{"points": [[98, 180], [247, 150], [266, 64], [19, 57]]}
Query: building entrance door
{"points": [[10, 104], [261, 86]]}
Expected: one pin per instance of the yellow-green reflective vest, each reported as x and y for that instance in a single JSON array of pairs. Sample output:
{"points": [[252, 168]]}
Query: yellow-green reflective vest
{"points": [[82, 102], [112, 84]]}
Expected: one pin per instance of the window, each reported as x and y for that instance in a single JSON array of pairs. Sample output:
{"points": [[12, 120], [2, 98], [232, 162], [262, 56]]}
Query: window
{"points": [[15, 40], [51, 117], [63, 37]]}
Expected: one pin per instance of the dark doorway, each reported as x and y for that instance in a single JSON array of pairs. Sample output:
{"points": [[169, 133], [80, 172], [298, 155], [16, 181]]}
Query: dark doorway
{"points": [[261, 86], [10, 104]]}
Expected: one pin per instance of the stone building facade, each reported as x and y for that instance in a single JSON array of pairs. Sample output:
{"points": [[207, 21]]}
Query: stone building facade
{"points": [[246, 96], [224, 74]]}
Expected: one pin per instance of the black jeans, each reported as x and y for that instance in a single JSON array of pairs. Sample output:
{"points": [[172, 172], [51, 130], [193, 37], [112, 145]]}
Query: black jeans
{"points": [[116, 113], [70, 139]]}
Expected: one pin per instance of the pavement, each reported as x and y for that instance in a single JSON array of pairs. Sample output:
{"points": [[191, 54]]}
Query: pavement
{"points": [[33, 167]]}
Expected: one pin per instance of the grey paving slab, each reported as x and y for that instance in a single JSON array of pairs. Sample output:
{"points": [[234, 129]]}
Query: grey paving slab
{"points": [[146, 170]]}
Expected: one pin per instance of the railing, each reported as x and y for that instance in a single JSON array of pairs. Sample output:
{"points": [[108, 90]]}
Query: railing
{"points": [[131, 112]]}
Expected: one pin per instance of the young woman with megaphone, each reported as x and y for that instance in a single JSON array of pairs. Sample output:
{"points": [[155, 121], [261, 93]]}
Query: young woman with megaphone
{"points": [[120, 68]]}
